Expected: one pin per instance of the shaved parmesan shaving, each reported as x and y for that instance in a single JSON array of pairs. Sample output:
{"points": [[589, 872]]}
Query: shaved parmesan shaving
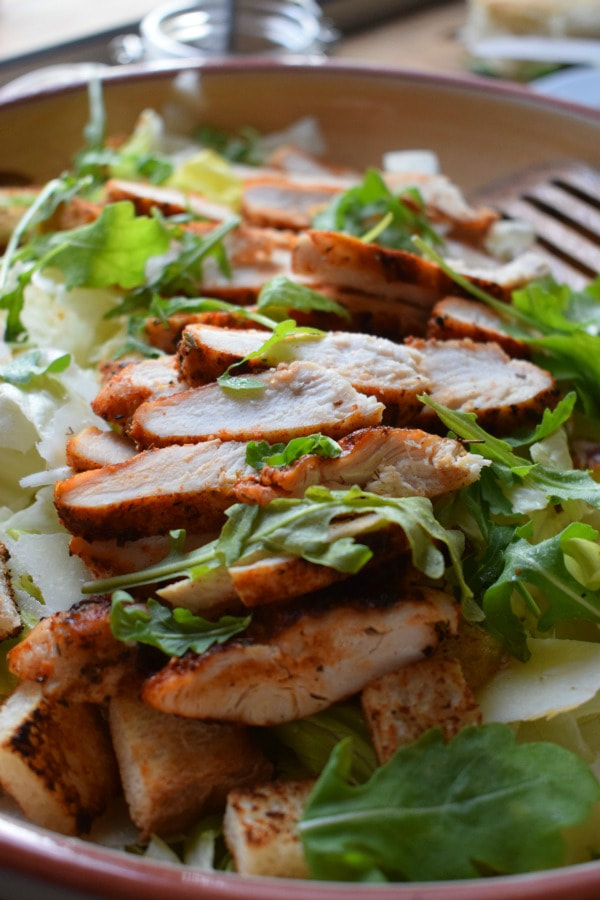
{"points": [[561, 675]]}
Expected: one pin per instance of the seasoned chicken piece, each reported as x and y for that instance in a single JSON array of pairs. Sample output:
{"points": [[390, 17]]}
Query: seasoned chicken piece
{"points": [[444, 202], [135, 383], [505, 393], [586, 454], [296, 660], [393, 462], [329, 257], [171, 202], [176, 770], [392, 373], [401, 706], [74, 655], [10, 620], [175, 487], [56, 760], [296, 400], [93, 449], [166, 334], [457, 317], [260, 829], [282, 203]]}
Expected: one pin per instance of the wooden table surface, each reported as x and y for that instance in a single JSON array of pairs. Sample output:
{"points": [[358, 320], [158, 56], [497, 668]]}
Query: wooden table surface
{"points": [[424, 39]]}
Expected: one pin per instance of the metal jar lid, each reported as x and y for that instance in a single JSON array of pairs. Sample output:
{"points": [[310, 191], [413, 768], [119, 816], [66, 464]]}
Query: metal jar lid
{"points": [[243, 27]]}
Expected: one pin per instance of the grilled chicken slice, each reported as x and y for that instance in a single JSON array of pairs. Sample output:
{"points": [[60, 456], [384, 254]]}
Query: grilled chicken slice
{"points": [[166, 334], [457, 318], [392, 373], [74, 655], [505, 393], [296, 400], [134, 383], [175, 487], [329, 257], [445, 203], [279, 202], [93, 449], [171, 202], [275, 579], [301, 658], [393, 462], [403, 705]]}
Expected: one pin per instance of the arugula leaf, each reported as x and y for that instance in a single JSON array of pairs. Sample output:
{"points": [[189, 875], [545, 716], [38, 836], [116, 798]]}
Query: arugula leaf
{"points": [[261, 453], [164, 308], [443, 811], [361, 208], [271, 352], [31, 366], [542, 566], [279, 296], [112, 250], [304, 528], [552, 420], [174, 631], [508, 468]]}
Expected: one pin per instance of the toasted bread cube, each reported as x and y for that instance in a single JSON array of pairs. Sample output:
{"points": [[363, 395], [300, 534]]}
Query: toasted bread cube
{"points": [[403, 705], [175, 770], [56, 760], [10, 620], [261, 829]]}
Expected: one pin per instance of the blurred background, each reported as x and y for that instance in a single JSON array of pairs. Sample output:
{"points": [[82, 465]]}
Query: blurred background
{"points": [[551, 45]]}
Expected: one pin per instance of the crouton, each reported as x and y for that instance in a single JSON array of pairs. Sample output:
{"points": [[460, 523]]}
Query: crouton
{"points": [[261, 829], [56, 760], [403, 705], [175, 770]]}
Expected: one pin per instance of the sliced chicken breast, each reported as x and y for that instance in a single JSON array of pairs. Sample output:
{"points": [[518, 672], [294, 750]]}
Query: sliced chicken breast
{"points": [[176, 487], [10, 619], [171, 202], [392, 373], [505, 393], [457, 318], [133, 384], [306, 657], [74, 654], [166, 334], [392, 462], [93, 449], [296, 400], [279, 202]]}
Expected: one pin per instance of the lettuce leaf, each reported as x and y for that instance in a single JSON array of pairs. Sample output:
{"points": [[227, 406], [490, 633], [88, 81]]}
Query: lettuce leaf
{"points": [[479, 805]]}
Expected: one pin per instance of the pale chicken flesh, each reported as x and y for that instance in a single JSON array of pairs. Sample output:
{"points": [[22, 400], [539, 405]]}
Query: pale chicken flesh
{"points": [[295, 401], [304, 658]]}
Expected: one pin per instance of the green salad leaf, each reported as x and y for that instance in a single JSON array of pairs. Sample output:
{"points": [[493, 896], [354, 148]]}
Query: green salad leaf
{"points": [[30, 366], [553, 566], [271, 352], [174, 631], [112, 250], [479, 805], [360, 209], [279, 296], [261, 453]]}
